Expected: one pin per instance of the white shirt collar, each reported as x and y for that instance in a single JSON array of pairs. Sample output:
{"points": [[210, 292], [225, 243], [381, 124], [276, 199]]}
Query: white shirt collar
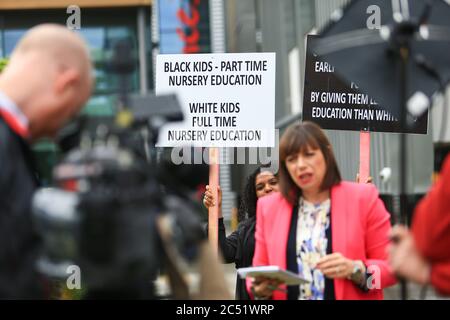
{"points": [[8, 105]]}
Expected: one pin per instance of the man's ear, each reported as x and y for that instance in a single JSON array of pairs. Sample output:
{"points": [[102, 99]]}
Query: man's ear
{"points": [[67, 79]]}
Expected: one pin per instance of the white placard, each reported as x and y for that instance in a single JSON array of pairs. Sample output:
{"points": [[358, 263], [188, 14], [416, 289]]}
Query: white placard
{"points": [[228, 100]]}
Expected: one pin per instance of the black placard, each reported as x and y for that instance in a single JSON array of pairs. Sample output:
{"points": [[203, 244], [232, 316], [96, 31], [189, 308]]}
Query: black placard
{"points": [[335, 104]]}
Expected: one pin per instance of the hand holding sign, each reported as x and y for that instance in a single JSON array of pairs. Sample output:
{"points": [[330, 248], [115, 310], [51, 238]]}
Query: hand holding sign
{"points": [[208, 199]]}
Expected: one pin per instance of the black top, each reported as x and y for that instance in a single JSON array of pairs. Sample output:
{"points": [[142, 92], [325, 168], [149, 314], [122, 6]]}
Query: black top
{"points": [[291, 255], [239, 248], [18, 241]]}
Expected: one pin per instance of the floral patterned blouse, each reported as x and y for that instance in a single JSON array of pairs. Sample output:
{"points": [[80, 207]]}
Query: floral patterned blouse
{"points": [[313, 221]]}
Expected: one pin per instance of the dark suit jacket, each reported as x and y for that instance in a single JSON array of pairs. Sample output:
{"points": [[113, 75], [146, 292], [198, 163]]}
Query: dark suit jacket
{"points": [[18, 241]]}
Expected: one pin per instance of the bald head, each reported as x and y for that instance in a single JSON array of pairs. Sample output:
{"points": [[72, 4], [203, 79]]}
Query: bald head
{"points": [[57, 43], [49, 76]]}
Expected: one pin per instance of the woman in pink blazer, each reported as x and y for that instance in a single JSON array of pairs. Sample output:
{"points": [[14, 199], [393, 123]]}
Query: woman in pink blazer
{"points": [[331, 232]]}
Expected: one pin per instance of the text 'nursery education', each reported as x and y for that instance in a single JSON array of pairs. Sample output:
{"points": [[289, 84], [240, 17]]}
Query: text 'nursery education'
{"points": [[223, 76]]}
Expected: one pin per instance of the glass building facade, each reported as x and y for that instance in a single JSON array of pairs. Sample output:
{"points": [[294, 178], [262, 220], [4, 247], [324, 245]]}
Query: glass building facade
{"points": [[102, 28]]}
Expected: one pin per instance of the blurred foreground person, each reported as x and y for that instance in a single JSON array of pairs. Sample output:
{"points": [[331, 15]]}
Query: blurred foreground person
{"points": [[46, 82], [239, 246], [332, 233], [423, 255]]}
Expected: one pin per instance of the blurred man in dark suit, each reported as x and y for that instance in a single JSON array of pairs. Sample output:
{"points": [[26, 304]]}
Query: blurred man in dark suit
{"points": [[46, 82]]}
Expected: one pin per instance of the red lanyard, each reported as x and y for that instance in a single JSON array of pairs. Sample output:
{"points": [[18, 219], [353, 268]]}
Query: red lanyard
{"points": [[14, 123]]}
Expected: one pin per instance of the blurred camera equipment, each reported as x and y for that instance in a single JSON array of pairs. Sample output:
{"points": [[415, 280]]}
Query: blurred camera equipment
{"points": [[115, 211]]}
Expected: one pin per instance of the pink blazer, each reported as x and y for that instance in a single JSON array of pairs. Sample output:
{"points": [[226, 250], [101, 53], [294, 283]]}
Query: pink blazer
{"points": [[360, 227]]}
